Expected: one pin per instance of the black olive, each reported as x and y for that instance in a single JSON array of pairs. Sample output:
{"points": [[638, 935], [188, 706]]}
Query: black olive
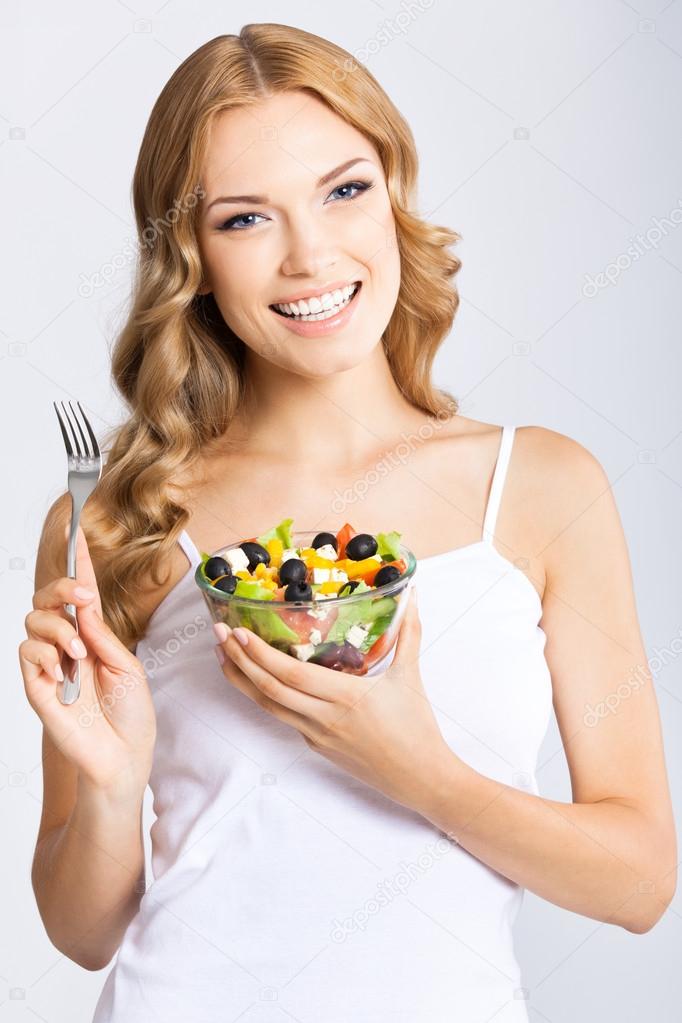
{"points": [[292, 570], [299, 589], [256, 553], [324, 538], [337, 656], [215, 567], [226, 583], [363, 545], [387, 574], [348, 588]]}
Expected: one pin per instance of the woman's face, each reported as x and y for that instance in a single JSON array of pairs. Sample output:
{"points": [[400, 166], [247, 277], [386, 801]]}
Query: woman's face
{"points": [[290, 235]]}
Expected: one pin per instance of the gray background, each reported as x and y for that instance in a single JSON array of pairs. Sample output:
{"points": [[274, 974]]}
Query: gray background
{"points": [[549, 137]]}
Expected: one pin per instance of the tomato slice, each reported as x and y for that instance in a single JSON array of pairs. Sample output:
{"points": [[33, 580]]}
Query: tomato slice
{"points": [[303, 623], [342, 537], [380, 647]]}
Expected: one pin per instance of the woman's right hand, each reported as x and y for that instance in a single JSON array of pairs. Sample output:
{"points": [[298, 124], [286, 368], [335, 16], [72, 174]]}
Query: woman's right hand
{"points": [[110, 730]]}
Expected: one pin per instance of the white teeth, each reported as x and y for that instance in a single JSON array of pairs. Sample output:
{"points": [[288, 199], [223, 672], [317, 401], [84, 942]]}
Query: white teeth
{"points": [[317, 307]]}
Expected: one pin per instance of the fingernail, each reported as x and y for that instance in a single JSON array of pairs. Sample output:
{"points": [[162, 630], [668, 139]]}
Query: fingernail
{"points": [[83, 593], [78, 649], [222, 631], [241, 635], [220, 654], [58, 673]]}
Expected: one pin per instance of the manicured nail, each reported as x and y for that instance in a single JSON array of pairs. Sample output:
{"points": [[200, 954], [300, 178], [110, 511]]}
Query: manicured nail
{"points": [[241, 635], [220, 654], [83, 593], [58, 673], [78, 649], [221, 630]]}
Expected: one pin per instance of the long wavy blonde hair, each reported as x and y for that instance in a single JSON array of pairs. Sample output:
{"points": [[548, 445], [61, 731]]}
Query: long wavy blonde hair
{"points": [[178, 366]]}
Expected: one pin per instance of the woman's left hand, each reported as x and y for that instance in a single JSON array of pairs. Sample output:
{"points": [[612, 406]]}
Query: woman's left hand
{"points": [[379, 728]]}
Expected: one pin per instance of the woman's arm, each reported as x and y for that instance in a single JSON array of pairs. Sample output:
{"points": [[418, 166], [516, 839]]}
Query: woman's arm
{"points": [[611, 853], [88, 875]]}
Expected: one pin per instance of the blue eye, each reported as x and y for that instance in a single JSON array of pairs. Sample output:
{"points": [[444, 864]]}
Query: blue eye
{"points": [[233, 224], [361, 185]]}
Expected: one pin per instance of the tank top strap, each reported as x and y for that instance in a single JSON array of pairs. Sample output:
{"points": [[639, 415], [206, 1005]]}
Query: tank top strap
{"points": [[497, 485], [190, 548]]}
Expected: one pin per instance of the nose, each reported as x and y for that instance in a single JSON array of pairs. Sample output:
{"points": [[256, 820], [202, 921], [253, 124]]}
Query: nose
{"points": [[309, 251]]}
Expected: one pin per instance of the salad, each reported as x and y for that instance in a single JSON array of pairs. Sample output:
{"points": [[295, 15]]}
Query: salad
{"points": [[292, 593]]}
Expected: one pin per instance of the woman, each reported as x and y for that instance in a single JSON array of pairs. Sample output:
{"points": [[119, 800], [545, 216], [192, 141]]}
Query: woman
{"points": [[345, 848]]}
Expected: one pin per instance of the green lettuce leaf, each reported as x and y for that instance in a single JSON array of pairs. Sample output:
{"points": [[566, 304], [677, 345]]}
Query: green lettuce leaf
{"points": [[281, 532], [361, 612], [389, 546]]}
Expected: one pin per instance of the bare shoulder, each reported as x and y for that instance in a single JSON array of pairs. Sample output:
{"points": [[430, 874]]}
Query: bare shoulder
{"points": [[570, 491], [557, 453]]}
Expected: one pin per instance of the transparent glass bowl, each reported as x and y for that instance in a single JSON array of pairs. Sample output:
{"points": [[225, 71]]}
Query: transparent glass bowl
{"points": [[284, 623]]}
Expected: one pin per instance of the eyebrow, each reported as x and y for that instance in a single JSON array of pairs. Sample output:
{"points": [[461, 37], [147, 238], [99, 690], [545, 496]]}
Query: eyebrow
{"points": [[263, 199]]}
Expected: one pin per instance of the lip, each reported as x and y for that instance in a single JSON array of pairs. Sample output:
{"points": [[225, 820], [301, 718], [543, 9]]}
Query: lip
{"points": [[334, 286], [316, 328]]}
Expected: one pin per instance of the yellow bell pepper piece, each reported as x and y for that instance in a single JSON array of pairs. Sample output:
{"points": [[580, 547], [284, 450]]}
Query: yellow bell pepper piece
{"points": [[313, 561], [331, 586], [275, 548], [354, 569]]}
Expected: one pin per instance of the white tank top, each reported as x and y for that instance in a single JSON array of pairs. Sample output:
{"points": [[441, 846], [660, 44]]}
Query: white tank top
{"points": [[286, 889]]}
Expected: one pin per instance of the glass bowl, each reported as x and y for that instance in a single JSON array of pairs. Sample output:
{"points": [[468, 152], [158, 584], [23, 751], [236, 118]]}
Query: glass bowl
{"points": [[317, 629]]}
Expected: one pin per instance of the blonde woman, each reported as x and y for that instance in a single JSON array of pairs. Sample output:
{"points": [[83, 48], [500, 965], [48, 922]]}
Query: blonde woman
{"points": [[326, 847]]}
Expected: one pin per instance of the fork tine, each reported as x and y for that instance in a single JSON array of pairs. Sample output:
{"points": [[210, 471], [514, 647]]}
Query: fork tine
{"points": [[95, 445], [86, 449], [73, 432], [67, 442]]}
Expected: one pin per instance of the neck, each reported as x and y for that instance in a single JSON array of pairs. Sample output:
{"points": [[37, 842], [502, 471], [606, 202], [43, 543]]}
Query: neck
{"points": [[334, 420]]}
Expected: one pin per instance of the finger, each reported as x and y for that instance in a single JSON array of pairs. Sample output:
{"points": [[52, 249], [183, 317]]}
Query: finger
{"points": [[270, 685], [244, 684], [59, 592], [409, 635], [52, 628], [37, 659], [101, 642], [313, 680]]}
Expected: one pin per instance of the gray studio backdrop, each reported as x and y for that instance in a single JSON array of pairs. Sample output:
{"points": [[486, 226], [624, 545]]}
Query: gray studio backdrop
{"points": [[549, 138]]}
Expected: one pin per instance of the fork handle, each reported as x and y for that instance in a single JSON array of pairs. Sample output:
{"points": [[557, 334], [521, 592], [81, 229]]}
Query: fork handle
{"points": [[68, 691]]}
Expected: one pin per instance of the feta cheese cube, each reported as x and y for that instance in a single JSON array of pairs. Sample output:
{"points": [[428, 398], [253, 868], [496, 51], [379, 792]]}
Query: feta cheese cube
{"points": [[237, 560], [322, 596], [321, 575], [318, 612], [356, 634], [326, 551], [339, 576], [302, 650], [315, 636], [289, 552]]}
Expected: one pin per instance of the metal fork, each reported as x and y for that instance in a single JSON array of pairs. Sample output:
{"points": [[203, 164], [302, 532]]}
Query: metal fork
{"points": [[85, 469]]}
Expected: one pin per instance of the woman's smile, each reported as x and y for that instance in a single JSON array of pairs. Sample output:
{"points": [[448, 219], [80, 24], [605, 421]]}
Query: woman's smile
{"points": [[320, 314]]}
